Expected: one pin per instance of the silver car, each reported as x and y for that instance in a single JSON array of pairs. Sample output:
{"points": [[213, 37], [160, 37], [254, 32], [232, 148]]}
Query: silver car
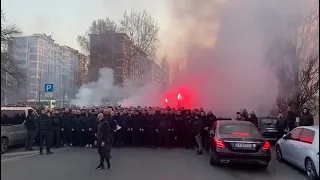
{"points": [[13, 130], [300, 147]]}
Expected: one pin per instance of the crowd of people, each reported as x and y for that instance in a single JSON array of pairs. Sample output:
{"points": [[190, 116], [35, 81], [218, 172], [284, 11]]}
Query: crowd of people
{"points": [[137, 126]]}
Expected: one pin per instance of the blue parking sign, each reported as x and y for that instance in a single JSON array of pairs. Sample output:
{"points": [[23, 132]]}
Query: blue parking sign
{"points": [[48, 88]]}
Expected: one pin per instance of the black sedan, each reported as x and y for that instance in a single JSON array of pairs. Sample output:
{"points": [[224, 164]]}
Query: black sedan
{"points": [[238, 142]]}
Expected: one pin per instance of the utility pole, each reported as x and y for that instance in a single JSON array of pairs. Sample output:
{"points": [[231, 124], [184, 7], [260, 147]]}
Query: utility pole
{"points": [[39, 84], [64, 94]]}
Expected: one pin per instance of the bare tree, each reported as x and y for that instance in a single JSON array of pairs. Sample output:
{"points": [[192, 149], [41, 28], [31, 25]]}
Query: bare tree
{"points": [[100, 26], [296, 62], [143, 31], [12, 75]]}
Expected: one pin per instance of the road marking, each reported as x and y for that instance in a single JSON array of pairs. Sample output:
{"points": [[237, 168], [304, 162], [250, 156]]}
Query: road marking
{"points": [[19, 153], [29, 155]]}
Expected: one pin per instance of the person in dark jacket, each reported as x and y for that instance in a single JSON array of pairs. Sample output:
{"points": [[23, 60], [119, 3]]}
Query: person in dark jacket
{"points": [[306, 118], [56, 128], [76, 129], [93, 127], [150, 130], [120, 134], [103, 142], [282, 124], [162, 129], [84, 128], [136, 122], [45, 128], [291, 117], [31, 125], [66, 127], [177, 127], [189, 141], [253, 118], [198, 129]]}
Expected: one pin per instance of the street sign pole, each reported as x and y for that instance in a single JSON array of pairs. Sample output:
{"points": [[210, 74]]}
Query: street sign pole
{"points": [[48, 89]]}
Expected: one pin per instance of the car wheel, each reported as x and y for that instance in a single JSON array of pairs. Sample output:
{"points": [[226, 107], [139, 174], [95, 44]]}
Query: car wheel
{"points": [[279, 153], [311, 170], [4, 145], [213, 160], [264, 166]]}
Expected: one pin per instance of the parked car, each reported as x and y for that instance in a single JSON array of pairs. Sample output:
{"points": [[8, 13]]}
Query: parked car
{"points": [[238, 142], [268, 127], [300, 147], [13, 130]]}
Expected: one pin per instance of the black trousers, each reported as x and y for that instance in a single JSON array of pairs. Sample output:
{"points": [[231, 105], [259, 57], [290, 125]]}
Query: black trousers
{"points": [[31, 135], [104, 153], [45, 135], [150, 137], [163, 138], [66, 136], [56, 137]]}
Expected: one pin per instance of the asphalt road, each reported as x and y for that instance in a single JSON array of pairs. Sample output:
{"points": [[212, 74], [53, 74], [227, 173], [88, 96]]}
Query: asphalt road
{"points": [[133, 164]]}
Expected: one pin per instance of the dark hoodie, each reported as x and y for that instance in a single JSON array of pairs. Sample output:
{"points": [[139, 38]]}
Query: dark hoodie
{"points": [[306, 119]]}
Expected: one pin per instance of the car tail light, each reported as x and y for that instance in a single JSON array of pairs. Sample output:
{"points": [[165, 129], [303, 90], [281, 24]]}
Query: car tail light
{"points": [[219, 143], [240, 133], [266, 145]]}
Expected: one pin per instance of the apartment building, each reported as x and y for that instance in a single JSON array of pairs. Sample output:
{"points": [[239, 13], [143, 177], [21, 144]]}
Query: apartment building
{"points": [[46, 62]]}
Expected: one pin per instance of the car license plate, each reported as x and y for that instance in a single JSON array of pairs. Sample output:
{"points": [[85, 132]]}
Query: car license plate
{"points": [[272, 130], [241, 145]]}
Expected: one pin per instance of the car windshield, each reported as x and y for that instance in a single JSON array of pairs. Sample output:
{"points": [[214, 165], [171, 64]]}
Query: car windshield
{"points": [[238, 128], [269, 121]]}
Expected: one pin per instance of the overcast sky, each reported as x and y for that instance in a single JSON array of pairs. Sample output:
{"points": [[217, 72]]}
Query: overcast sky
{"points": [[65, 19]]}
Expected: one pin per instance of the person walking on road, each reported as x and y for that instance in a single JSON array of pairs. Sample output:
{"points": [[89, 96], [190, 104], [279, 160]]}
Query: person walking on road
{"points": [[45, 128], [103, 142], [31, 125]]}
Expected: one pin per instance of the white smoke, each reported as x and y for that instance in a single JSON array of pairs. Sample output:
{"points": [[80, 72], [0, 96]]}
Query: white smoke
{"points": [[104, 90], [149, 95]]}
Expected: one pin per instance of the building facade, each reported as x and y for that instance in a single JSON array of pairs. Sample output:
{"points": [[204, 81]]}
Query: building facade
{"points": [[116, 51], [46, 62]]}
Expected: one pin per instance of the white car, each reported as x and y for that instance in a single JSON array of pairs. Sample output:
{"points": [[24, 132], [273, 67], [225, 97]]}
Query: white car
{"points": [[300, 147]]}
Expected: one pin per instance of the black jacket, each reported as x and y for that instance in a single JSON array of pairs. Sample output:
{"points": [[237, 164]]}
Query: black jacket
{"points": [[103, 133], [31, 123], [44, 123], [56, 121], [306, 120], [67, 121]]}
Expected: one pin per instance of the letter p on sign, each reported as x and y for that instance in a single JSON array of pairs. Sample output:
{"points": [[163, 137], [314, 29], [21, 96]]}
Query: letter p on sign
{"points": [[48, 88]]}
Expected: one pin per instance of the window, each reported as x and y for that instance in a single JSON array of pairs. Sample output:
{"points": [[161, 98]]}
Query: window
{"points": [[119, 55], [21, 41], [32, 80], [33, 41], [118, 71], [34, 50], [118, 79], [118, 63], [33, 57], [307, 136], [295, 134], [33, 65], [33, 72], [12, 117], [32, 87], [214, 127], [230, 128], [32, 95]]}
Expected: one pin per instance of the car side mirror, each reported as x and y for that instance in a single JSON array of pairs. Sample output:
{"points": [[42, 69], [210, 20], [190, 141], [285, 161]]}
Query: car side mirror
{"points": [[284, 136]]}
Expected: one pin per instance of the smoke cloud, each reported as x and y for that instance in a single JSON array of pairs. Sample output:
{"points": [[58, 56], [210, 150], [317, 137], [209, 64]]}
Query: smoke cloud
{"points": [[223, 46], [104, 90]]}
